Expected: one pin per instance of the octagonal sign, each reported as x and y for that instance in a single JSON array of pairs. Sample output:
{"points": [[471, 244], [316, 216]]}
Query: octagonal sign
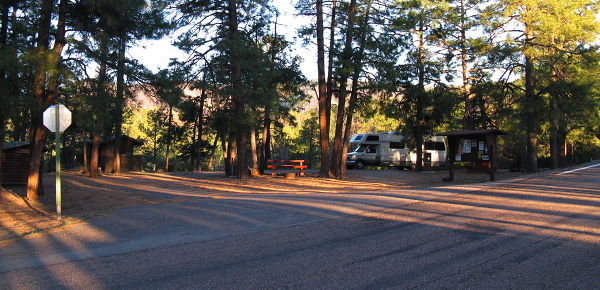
{"points": [[64, 118]]}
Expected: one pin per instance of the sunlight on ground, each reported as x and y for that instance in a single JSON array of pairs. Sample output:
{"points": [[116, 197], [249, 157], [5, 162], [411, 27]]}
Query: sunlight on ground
{"points": [[536, 208]]}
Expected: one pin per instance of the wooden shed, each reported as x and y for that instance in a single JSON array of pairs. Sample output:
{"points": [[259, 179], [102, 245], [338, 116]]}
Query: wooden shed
{"points": [[15, 163], [129, 162]]}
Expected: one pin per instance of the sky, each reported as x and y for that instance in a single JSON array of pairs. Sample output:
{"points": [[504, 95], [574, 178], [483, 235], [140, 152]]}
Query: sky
{"points": [[156, 54]]}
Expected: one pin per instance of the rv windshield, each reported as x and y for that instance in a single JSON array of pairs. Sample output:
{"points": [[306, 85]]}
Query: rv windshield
{"points": [[360, 148]]}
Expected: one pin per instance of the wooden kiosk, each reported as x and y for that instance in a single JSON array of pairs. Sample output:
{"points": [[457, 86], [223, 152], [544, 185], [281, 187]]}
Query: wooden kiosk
{"points": [[476, 146]]}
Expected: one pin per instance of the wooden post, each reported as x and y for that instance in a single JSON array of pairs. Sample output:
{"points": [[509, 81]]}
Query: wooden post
{"points": [[491, 142], [492, 153], [452, 158]]}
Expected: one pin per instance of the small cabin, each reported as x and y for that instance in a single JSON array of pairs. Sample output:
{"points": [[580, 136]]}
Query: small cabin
{"points": [[15, 163], [129, 162]]}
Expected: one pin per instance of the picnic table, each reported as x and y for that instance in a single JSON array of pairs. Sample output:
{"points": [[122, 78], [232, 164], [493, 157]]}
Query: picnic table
{"points": [[286, 164]]}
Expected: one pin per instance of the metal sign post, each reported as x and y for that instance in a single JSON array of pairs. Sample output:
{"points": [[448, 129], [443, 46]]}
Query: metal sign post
{"points": [[57, 118], [58, 181]]}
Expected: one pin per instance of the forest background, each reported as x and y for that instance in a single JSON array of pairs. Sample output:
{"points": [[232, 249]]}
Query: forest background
{"points": [[238, 98]]}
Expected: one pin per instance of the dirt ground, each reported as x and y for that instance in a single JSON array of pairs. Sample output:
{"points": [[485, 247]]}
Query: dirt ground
{"points": [[86, 198]]}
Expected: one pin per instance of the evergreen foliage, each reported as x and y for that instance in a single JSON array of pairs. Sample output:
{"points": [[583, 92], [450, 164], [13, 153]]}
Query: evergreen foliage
{"points": [[417, 66]]}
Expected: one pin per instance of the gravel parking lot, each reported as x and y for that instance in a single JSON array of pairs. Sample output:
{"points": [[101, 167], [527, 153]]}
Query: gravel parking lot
{"points": [[86, 198]]}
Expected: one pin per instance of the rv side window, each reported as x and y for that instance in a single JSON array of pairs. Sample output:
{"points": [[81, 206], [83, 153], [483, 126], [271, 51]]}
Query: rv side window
{"points": [[372, 138], [440, 146], [435, 146], [429, 145], [396, 145]]}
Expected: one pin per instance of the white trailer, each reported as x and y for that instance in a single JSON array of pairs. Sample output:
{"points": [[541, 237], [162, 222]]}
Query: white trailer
{"points": [[389, 149]]}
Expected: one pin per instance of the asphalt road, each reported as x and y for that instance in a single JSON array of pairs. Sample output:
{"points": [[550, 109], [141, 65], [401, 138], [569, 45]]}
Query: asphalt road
{"points": [[535, 233]]}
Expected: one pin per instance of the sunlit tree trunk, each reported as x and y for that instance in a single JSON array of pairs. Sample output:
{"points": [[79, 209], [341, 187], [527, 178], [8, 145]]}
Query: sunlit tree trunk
{"points": [[330, 62], [120, 101], [253, 146], [45, 83], [266, 141], [357, 66], [95, 156], [322, 95], [231, 157], [38, 133], [345, 72]]}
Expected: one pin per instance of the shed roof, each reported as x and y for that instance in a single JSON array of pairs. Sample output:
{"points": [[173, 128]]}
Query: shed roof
{"points": [[112, 139], [14, 144]]}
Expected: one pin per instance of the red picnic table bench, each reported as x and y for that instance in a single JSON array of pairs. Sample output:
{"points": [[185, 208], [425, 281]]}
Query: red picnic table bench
{"points": [[286, 164]]}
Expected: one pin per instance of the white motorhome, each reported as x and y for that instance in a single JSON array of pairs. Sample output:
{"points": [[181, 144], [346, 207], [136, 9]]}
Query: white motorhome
{"points": [[389, 149]]}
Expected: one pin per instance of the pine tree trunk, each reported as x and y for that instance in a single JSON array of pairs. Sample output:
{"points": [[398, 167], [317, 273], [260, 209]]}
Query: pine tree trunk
{"points": [[561, 142], [322, 95], [420, 96], [531, 106], [338, 159], [4, 86], [468, 97], [357, 69], [86, 164], [120, 101], [95, 157], [102, 99], [45, 83], [169, 137], [200, 131], [330, 62], [237, 96], [253, 147], [266, 142]]}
